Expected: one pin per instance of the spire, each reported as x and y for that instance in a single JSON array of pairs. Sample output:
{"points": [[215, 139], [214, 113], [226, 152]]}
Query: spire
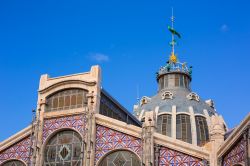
{"points": [[173, 64], [173, 57]]}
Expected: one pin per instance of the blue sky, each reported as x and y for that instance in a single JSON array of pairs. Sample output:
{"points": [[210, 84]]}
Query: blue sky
{"points": [[129, 39]]}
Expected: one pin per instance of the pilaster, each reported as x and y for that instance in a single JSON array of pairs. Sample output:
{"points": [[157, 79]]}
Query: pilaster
{"points": [[173, 122], [193, 126]]}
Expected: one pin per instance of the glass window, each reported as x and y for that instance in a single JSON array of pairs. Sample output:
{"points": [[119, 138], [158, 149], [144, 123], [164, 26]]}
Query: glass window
{"points": [[67, 99], [181, 80], [166, 81], [164, 124], [177, 80], [183, 128], [65, 148], [121, 158], [202, 130], [14, 163]]}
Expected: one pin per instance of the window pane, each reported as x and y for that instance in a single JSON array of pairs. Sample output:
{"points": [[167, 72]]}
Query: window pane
{"points": [[63, 149], [183, 128], [202, 130], [66, 99], [164, 124]]}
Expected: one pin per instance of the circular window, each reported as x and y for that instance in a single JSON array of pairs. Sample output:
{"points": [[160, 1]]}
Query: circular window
{"points": [[64, 149]]}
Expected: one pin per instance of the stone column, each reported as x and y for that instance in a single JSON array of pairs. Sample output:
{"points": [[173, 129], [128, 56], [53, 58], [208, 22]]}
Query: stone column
{"points": [[217, 133], [148, 129]]}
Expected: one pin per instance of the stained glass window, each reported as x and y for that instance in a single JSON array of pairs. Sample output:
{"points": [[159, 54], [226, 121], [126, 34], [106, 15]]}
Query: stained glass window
{"points": [[164, 124], [64, 149], [67, 99], [202, 130], [121, 158], [183, 128], [14, 163]]}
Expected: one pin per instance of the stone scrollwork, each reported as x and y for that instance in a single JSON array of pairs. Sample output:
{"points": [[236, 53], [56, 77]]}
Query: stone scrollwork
{"points": [[144, 100], [193, 96], [167, 95]]}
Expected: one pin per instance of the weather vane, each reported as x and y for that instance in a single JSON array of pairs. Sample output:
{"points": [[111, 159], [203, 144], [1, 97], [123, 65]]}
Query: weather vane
{"points": [[173, 57]]}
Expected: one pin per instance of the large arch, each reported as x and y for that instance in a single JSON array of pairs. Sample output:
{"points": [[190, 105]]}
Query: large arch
{"points": [[13, 162], [63, 146], [120, 157]]}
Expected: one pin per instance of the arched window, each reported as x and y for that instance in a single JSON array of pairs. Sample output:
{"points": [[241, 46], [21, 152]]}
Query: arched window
{"points": [[13, 163], [183, 128], [65, 148], [119, 158], [164, 124], [202, 130], [66, 99]]}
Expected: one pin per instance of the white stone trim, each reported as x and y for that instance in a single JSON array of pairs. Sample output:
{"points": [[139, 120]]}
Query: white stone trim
{"points": [[173, 128], [193, 125]]}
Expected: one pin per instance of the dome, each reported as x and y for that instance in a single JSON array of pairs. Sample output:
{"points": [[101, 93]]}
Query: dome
{"points": [[180, 113]]}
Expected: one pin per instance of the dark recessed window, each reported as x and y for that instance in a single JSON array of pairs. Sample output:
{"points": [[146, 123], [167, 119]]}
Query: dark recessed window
{"points": [[183, 128], [164, 124], [181, 80], [202, 130], [67, 99]]}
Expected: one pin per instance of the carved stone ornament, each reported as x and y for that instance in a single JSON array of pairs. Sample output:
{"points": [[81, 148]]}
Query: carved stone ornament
{"points": [[167, 95], [193, 96], [145, 100]]}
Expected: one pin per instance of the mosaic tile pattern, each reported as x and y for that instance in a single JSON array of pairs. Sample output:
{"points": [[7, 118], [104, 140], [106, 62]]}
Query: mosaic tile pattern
{"points": [[77, 122], [108, 140], [236, 155], [169, 157], [20, 151]]}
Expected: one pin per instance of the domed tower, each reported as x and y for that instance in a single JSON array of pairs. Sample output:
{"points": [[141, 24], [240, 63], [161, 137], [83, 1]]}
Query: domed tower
{"points": [[179, 112]]}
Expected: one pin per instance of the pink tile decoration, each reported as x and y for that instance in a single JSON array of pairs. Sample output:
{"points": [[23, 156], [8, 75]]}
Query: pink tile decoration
{"points": [[77, 122], [236, 155], [20, 151], [169, 157], [108, 139]]}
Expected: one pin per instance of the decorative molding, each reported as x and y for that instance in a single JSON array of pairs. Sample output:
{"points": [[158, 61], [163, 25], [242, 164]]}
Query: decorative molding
{"points": [[193, 96], [167, 95], [66, 82], [144, 100]]}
